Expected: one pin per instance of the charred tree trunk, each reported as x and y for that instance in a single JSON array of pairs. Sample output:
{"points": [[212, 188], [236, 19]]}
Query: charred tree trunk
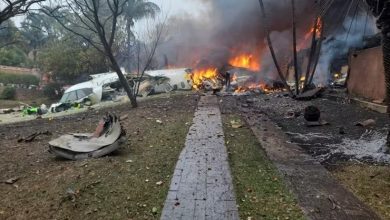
{"points": [[312, 54], [318, 54], [386, 59], [123, 81], [271, 48], [381, 9], [295, 49]]}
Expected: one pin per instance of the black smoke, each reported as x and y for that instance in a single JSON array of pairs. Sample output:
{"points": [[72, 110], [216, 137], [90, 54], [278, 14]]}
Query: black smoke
{"points": [[234, 26]]}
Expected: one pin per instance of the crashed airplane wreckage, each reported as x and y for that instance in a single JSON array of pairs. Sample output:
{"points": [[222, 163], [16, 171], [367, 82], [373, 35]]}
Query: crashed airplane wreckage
{"points": [[107, 138]]}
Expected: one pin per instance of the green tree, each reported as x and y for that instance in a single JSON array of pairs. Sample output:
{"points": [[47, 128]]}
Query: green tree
{"points": [[68, 59], [12, 46], [37, 29], [135, 10], [13, 56], [97, 22]]}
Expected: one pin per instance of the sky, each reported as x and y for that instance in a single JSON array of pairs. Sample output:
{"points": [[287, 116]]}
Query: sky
{"points": [[176, 7], [169, 7]]}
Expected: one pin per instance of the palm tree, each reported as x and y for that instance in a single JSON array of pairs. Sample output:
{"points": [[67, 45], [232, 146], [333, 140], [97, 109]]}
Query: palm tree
{"points": [[381, 10], [136, 10]]}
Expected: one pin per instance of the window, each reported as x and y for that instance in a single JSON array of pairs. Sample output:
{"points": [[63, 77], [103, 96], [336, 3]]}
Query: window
{"points": [[64, 98], [82, 93], [72, 97]]}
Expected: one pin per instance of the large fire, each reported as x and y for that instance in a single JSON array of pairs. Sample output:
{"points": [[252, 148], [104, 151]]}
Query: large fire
{"points": [[201, 75], [304, 44], [248, 61], [253, 86], [318, 31]]}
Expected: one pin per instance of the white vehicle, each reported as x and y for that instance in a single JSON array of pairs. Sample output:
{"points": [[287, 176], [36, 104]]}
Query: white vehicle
{"points": [[90, 92]]}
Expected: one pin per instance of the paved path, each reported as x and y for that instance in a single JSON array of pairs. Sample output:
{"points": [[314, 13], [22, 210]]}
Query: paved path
{"points": [[201, 187]]}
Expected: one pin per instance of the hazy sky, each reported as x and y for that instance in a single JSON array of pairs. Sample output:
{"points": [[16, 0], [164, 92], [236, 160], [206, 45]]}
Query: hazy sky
{"points": [[181, 6], [186, 8], [170, 7]]}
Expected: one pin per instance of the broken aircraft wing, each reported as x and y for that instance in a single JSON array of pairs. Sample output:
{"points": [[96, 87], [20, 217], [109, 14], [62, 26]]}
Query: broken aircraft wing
{"points": [[106, 139]]}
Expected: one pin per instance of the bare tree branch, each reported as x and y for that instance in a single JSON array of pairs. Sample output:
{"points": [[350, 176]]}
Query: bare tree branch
{"points": [[150, 53], [13, 8]]}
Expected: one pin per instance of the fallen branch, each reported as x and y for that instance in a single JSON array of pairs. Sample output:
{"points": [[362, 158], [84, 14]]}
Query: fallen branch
{"points": [[32, 137]]}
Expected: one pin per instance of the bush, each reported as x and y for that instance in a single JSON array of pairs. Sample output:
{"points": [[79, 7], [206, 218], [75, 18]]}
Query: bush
{"points": [[22, 79], [8, 93], [53, 91]]}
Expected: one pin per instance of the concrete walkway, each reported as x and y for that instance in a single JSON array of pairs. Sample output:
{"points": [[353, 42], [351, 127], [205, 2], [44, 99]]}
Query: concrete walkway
{"points": [[201, 187]]}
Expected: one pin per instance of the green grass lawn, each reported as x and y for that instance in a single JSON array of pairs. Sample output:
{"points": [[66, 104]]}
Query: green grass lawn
{"points": [[260, 191], [369, 183], [131, 184]]}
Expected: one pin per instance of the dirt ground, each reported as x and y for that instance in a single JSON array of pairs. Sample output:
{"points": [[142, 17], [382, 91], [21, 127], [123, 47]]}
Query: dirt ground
{"points": [[124, 185], [320, 141], [370, 183], [119, 186], [364, 175]]}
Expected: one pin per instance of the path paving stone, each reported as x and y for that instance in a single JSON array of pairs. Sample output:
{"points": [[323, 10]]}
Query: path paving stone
{"points": [[201, 187]]}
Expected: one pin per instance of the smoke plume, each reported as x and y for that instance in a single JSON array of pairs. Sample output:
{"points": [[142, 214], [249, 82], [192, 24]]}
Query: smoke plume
{"points": [[231, 27]]}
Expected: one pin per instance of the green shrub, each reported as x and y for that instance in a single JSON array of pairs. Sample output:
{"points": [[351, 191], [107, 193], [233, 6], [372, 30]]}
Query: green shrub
{"points": [[8, 93], [53, 91], [22, 79]]}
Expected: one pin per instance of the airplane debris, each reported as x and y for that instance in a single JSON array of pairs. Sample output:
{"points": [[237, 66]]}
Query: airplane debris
{"points": [[108, 136], [311, 94], [312, 114], [236, 124], [11, 180], [366, 123], [317, 123]]}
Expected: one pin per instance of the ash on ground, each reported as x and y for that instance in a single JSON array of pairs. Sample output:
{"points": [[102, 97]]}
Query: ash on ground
{"points": [[340, 141]]}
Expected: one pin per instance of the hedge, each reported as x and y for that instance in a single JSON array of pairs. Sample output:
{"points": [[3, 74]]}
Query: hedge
{"points": [[22, 79], [8, 93]]}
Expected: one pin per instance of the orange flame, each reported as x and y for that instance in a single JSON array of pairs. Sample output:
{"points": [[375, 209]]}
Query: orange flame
{"points": [[304, 42], [201, 75], [246, 61], [253, 86], [318, 30]]}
